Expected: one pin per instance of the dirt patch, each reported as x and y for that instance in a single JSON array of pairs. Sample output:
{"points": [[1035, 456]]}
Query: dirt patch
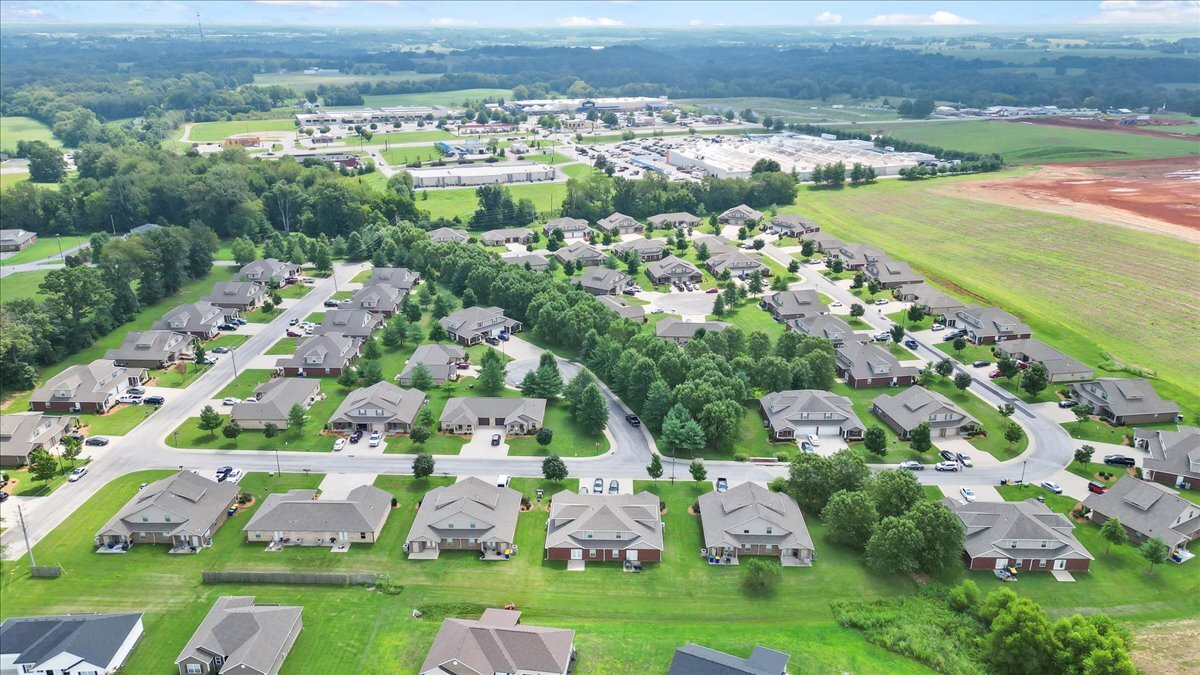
{"points": [[249, 503], [1157, 126], [1161, 195], [11, 486], [1168, 648]]}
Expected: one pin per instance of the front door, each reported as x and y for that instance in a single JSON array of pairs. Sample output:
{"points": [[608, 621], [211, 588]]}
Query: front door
{"points": [[631, 554], [1060, 564], [576, 554]]}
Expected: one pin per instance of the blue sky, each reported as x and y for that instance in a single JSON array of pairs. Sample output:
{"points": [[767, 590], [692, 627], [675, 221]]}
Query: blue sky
{"points": [[404, 13]]}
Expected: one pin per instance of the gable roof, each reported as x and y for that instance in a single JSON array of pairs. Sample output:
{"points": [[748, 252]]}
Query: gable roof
{"points": [[378, 297], [743, 211], [992, 528], [535, 260], [276, 398], [19, 432], [1149, 509], [864, 361], [725, 517], [400, 277], [639, 244], [784, 409], [448, 234], [617, 219], [1128, 396], [243, 634], [622, 308], [1056, 362], [916, 404], [580, 250], [667, 265], [363, 510], [194, 316], [496, 643], [1176, 452], [333, 350], [676, 328], [604, 521], [931, 298], [693, 659], [15, 237], [235, 292], [826, 326], [566, 225], [474, 320], [674, 217], [440, 359], [194, 501], [506, 233], [788, 303], [146, 345], [268, 268], [469, 410], [469, 509], [795, 222], [887, 270], [93, 638], [992, 321], [86, 383], [355, 322], [601, 279], [394, 403]]}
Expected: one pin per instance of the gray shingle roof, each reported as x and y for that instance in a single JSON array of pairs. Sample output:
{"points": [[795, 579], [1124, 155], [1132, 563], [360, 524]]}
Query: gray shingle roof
{"points": [[195, 317], [785, 409], [1176, 452], [468, 509], [617, 220], [795, 223], [566, 225], [604, 521], [579, 251], [639, 244], [674, 217], [332, 350], [826, 326], [1055, 361], [1127, 396], [194, 502], [236, 293], [86, 383], [440, 359], [889, 271], [354, 322], [602, 279], [267, 269], [276, 398], [537, 261], [1149, 509], [378, 298], [726, 517], [990, 322], [391, 402], [676, 328], [741, 211], [21, 432], [447, 234], [992, 528], [244, 634], [363, 510], [917, 404], [469, 410], [15, 237], [622, 308], [400, 277], [156, 345], [498, 236], [671, 266], [693, 659], [95, 638], [475, 320], [931, 298], [865, 361], [496, 643], [789, 304]]}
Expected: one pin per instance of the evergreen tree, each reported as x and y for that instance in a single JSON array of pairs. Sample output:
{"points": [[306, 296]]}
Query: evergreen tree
{"points": [[657, 405], [210, 420], [592, 412], [491, 372], [421, 378], [655, 470]]}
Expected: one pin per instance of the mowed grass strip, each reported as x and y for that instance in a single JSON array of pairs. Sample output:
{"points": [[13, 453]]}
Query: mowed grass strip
{"points": [[14, 129], [211, 132], [47, 246]]}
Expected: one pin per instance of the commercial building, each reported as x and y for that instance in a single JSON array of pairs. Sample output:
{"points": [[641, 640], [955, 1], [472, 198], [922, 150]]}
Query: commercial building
{"points": [[569, 105], [725, 157], [481, 174]]}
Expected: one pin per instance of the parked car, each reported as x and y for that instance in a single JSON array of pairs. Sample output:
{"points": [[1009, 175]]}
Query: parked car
{"points": [[994, 374], [882, 336], [224, 470], [1120, 460], [954, 335], [77, 474], [598, 486], [294, 321], [339, 444], [881, 301], [613, 487], [1022, 365], [633, 420], [936, 327], [211, 359], [981, 363], [1098, 488], [131, 399], [463, 365], [219, 350], [503, 335], [330, 303], [912, 465], [375, 439], [629, 291], [295, 332], [230, 400], [965, 459], [1067, 403], [910, 343], [356, 436], [136, 390], [491, 340], [3, 496], [659, 310], [946, 466], [98, 441], [228, 326], [239, 321], [495, 439], [814, 439], [722, 485], [948, 456], [836, 303], [234, 476], [807, 447], [1052, 486], [967, 493], [154, 400]]}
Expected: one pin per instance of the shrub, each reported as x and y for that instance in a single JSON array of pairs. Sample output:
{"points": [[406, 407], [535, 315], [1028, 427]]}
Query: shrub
{"points": [[760, 576], [782, 456], [777, 484], [741, 457]]}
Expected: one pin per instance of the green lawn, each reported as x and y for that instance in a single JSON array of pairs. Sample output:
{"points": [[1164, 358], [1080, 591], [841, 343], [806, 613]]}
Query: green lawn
{"points": [[750, 317], [22, 285], [210, 132], [1013, 386], [230, 341], [461, 202], [26, 486], [569, 440], [45, 247], [1100, 431], [901, 317], [901, 353], [284, 347], [991, 420], [294, 291], [362, 277], [969, 354], [407, 155], [261, 315], [546, 158], [410, 136], [1091, 471], [897, 450], [8, 180], [178, 376], [16, 129], [316, 317], [753, 439], [454, 97], [116, 422]]}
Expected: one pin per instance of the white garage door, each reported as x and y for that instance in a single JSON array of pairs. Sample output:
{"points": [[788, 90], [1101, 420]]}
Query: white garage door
{"points": [[811, 430]]}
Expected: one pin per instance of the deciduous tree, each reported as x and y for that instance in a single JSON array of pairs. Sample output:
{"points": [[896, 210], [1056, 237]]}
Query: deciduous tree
{"points": [[423, 465], [554, 468], [850, 518]]}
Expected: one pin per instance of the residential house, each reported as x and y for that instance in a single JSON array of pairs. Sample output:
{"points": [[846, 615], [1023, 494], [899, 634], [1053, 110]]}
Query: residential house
{"points": [[826, 326], [602, 281], [355, 323], [622, 223], [300, 518], [823, 242], [497, 643], [1059, 366], [571, 228], [269, 269], [1147, 510], [22, 433], [16, 240], [441, 360], [604, 528], [621, 307], [890, 273], [868, 365], [739, 215], [646, 249], [856, 256], [447, 235], [400, 277], [239, 636], [935, 303], [750, 519], [988, 325], [535, 262], [321, 355], [200, 319], [273, 401], [580, 253], [1125, 401], [244, 296], [692, 659], [470, 515], [904, 411], [512, 235], [90, 388], [141, 229], [670, 269], [382, 407], [795, 304], [674, 220], [793, 226], [184, 510], [682, 332], [74, 644], [1174, 456], [516, 415], [1026, 536], [472, 325], [151, 349], [378, 299], [797, 413], [740, 265]]}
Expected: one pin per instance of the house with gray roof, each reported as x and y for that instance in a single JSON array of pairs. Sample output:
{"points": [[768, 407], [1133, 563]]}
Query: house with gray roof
{"points": [[890, 273], [302, 518], [749, 519], [239, 636], [823, 242], [934, 302], [1174, 456], [909, 408], [621, 307], [739, 215], [22, 433], [645, 249], [535, 262], [274, 400], [682, 332], [470, 515], [580, 253], [200, 319], [355, 323], [674, 220], [670, 269], [1147, 510], [693, 659], [381, 407], [1025, 535], [516, 415], [791, 225], [440, 360], [448, 235], [16, 240], [825, 326], [739, 264], [151, 349], [86, 388], [868, 365], [473, 325], [382, 299], [141, 229], [1059, 366], [797, 413], [989, 325], [184, 510], [571, 228], [267, 270], [73, 644], [604, 528], [244, 296], [622, 223], [856, 256], [1125, 401], [400, 277], [511, 235], [499, 643], [794, 304], [321, 355], [602, 281]]}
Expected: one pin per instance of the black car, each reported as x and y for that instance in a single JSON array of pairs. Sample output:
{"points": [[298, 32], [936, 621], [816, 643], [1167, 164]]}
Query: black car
{"points": [[1067, 403], [1120, 460], [981, 363], [225, 470], [491, 340], [154, 400], [356, 436], [3, 496], [910, 343], [98, 441], [228, 326], [331, 303], [633, 420], [948, 456], [219, 350]]}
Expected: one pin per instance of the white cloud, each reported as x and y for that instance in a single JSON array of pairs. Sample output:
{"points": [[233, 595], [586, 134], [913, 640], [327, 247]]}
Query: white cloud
{"points": [[828, 19], [695, 22], [12, 12], [311, 4], [452, 21], [579, 21], [1186, 12], [935, 19]]}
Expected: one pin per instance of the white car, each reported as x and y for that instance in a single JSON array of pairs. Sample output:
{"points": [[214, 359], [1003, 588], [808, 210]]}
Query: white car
{"points": [[967, 493], [129, 398], [376, 437], [937, 327], [836, 303], [339, 444], [881, 301], [230, 400], [813, 439], [234, 476], [1052, 486], [77, 474]]}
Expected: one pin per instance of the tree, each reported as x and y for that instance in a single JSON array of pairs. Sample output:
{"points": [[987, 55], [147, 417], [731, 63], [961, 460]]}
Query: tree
{"points": [[419, 435], [850, 518], [1082, 412], [545, 436], [1035, 379], [422, 466], [1154, 551], [554, 468], [550, 382], [897, 333], [941, 536], [437, 332], [42, 466], [696, 468], [919, 438], [244, 251], [369, 373], [894, 492], [1083, 454], [1006, 409], [959, 344], [1113, 532], [962, 381], [760, 576], [655, 470], [198, 354], [210, 420], [1018, 641], [875, 440], [944, 367], [657, 405], [421, 378], [915, 314], [591, 412], [270, 430], [72, 446], [1008, 367], [857, 310], [755, 285], [491, 372], [813, 479], [371, 351], [348, 378], [1013, 433], [296, 418], [232, 431], [894, 545], [46, 164], [718, 309], [680, 431]]}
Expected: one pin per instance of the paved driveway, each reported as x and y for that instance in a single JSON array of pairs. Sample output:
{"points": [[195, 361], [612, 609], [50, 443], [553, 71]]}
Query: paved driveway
{"points": [[339, 485], [480, 444], [690, 305]]}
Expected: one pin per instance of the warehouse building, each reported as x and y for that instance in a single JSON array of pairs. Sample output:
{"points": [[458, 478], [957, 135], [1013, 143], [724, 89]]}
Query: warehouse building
{"points": [[725, 157], [483, 174]]}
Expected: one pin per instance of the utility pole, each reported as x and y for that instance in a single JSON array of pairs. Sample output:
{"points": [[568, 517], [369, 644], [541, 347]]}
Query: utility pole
{"points": [[25, 533], [58, 238], [112, 221]]}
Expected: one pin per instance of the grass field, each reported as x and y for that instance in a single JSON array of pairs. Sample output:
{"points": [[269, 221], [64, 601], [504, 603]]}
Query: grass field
{"points": [[407, 155], [547, 197], [1027, 143], [412, 136], [8, 180], [16, 129], [1085, 288], [22, 285], [208, 132], [45, 247], [444, 98]]}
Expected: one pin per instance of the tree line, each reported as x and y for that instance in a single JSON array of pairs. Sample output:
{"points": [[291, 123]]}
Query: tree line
{"points": [[598, 195]]}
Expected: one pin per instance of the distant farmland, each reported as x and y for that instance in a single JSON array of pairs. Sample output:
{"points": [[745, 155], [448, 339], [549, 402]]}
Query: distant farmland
{"points": [[14, 129]]}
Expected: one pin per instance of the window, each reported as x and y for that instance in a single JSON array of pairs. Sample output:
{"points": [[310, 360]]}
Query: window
{"points": [[745, 531], [770, 530], [194, 668], [618, 535], [166, 519], [1045, 544], [589, 535], [1012, 544], [145, 519], [362, 535], [218, 660], [1042, 562], [591, 553], [616, 553], [745, 547]]}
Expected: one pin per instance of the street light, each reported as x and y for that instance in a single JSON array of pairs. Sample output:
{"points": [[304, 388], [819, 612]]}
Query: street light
{"points": [[1023, 463]]}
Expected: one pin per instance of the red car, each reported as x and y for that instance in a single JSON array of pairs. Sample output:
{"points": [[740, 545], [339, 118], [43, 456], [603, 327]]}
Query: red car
{"points": [[1023, 365], [994, 374], [713, 290]]}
